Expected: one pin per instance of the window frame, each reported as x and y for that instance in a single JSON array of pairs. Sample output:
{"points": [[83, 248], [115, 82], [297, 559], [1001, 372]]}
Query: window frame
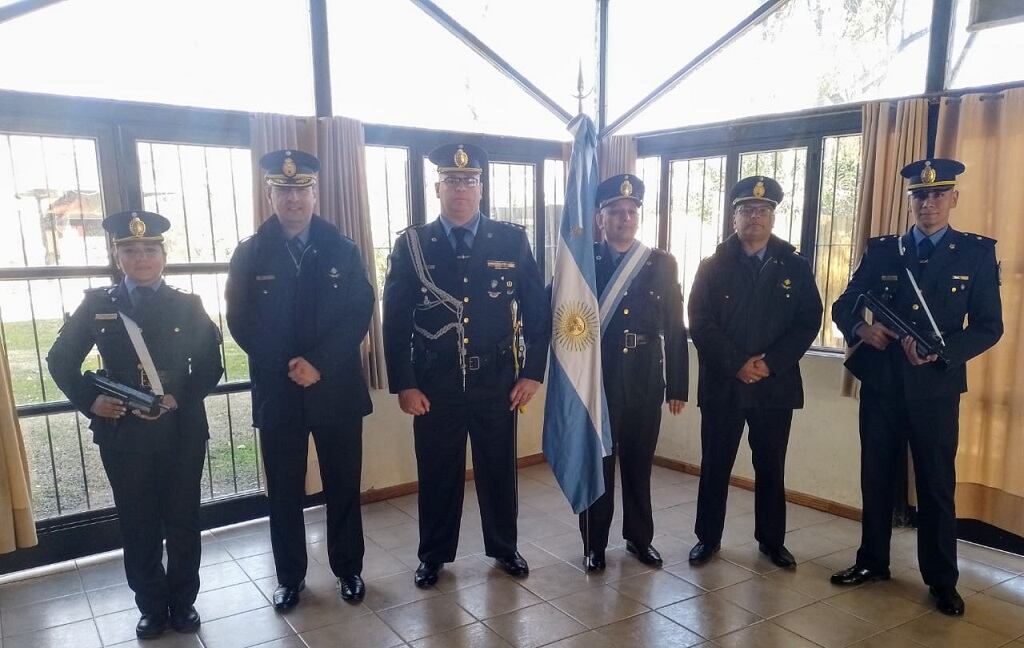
{"points": [[749, 136]]}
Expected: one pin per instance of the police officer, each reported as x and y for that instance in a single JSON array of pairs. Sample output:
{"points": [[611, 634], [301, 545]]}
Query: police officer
{"points": [[931, 273], [644, 361], [299, 304], [754, 311], [466, 332], [154, 463]]}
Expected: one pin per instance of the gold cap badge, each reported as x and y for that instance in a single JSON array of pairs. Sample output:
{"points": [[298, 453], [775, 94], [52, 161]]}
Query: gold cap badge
{"points": [[758, 191], [288, 168], [626, 188], [136, 226], [928, 173], [461, 158]]}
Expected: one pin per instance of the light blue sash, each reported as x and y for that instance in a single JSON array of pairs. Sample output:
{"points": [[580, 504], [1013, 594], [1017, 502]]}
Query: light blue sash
{"points": [[632, 262]]}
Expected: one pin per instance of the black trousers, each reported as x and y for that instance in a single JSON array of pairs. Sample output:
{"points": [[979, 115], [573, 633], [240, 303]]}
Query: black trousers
{"points": [[339, 449], [720, 433], [634, 439], [157, 496], [931, 426], [441, 464]]}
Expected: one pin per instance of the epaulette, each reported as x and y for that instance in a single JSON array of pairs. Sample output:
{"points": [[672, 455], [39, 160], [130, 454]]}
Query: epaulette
{"points": [[180, 290], [978, 238], [105, 290], [510, 224]]}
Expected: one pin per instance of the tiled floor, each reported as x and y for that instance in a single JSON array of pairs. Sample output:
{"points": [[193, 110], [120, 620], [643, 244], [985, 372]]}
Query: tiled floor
{"points": [[738, 600]]}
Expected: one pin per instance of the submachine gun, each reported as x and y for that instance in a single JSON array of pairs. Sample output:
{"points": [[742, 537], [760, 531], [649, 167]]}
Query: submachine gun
{"points": [[146, 402], [926, 344]]}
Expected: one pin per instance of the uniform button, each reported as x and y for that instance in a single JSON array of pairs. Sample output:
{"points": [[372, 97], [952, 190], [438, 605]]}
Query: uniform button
{"points": [[465, 300], [915, 307], [465, 340], [177, 330], [465, 280], [103, 330], [625, 349], [953, 289], [465, 320], [625, 311]]}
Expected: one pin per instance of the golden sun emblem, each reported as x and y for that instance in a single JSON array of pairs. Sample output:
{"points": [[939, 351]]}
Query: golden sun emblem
{"points": [[136, 226], [626, 188], [288, 168], [928, 174], [461, 158], [758, 191], [575, 325]]}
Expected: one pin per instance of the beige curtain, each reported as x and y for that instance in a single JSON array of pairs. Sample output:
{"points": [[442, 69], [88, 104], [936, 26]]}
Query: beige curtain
{"points": [[986, 133], [17, 527], [340, 145], [893, 135], [615, 155]]}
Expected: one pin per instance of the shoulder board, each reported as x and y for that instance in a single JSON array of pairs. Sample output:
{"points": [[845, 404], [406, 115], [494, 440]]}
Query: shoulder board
{"points": [[179, 290], [102, 290], [978, 238], [348, 238], [510, 224], [880, 240]]}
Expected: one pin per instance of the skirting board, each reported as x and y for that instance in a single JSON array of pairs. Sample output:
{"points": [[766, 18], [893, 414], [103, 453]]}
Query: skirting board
{"points": [[398, 490], [803, 499]]}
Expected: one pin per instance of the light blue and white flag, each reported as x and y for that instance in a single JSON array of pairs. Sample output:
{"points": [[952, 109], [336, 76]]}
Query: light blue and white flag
{"points": [[576, 431]]}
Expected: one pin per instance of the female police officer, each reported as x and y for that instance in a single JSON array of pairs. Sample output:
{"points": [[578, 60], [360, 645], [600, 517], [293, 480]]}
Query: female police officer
{"points": [[154, 338]]}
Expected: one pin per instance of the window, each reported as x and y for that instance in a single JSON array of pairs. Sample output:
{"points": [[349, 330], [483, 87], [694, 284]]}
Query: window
{"points": [[50, 194], [805, 54], [697, 199], [187, 52], [837, 214], [387, 180], [513, 195], [981, 57], [649, 171], [789, 168], [554, 204]]}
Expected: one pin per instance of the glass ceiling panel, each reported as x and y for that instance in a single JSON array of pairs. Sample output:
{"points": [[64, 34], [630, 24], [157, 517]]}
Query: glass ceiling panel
{"points": [[809, 53], [649, 40], [547, 42], [986, 56], [251, 55], [393, 64]]}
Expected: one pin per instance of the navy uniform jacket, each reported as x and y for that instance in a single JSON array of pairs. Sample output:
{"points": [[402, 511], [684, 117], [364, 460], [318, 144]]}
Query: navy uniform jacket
{"points": [[961, 281], [320, 311], [643, 350], [184, 345], [501, 269], [735, 314]]}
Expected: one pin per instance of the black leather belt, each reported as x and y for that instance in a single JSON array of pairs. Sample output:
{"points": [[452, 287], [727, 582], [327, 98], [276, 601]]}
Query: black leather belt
{"points": [[633, 340]]}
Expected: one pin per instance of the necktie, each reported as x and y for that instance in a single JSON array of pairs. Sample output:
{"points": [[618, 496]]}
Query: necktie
{"points": [[143, 295], [462, 250], [924, 252], [295, 248]]}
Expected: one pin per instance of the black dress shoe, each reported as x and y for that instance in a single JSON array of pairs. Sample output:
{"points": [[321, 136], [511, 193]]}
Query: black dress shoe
{"points": [[287, 596], [702, 552], [185, 619], [947, 600], [647, 555], [352, 587], [856, 575], [514, 565], [594, 562], [151, 625], [426, 574], [780, 557]]}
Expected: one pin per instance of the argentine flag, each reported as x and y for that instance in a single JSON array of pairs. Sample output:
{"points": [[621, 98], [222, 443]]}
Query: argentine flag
{"points": [[576, 430]]}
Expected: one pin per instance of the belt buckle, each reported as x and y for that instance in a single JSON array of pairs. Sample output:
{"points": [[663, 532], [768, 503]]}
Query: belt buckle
{"points": [[631, 340], [473, 363]]}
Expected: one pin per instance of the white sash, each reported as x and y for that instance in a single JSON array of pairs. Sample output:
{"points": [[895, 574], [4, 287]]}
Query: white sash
{"points": [[135, 335], [632, 262]]}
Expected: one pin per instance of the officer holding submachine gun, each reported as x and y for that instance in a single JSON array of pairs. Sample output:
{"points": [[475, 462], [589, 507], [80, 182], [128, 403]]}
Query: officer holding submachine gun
{"points": [[161, 357]]}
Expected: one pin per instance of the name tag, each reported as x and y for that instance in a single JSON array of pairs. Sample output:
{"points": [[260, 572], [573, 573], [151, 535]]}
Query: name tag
{"points": [[106, 316], [890, 278], [962, 277], [265, 277], [501, 265]]}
